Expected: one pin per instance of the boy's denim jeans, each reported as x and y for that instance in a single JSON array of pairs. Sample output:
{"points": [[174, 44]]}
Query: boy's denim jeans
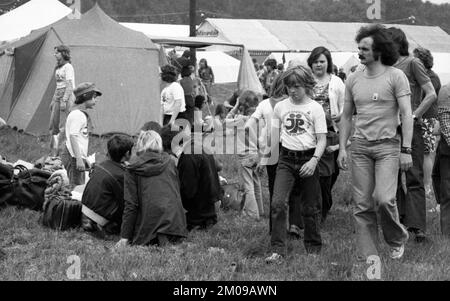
{"points": [[309, 196], [375, 166]]}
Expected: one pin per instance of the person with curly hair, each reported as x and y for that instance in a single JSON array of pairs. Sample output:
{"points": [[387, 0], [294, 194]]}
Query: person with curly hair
{"points": [[173, 103], [430, 121], [300, 124], [379, 92]]}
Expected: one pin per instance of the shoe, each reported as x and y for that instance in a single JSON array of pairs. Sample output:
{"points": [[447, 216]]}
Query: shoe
{"points": [[295, 232], [397, 252], [274, 258], [420, 235]]}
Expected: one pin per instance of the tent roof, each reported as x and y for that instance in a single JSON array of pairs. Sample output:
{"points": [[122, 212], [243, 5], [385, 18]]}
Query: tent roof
{"points": [[276, 35], [159, 30], [194, 42], [30, 16], [98, 29]]}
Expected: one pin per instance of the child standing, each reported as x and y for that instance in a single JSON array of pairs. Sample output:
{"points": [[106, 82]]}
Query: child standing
{"points": [[303, 129], [247, 151]]}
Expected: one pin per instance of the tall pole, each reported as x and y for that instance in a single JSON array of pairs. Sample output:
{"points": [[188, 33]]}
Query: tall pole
{"points": [[192, 25]]}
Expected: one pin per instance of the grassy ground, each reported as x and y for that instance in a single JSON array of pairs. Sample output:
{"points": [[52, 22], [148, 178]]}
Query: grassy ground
{"points": [[234, 249]]}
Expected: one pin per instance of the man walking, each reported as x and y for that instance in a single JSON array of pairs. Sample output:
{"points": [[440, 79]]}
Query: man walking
{"points": [[378, 93], [412, 204]]}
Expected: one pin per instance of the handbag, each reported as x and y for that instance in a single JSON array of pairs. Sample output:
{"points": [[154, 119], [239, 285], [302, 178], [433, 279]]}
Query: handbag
{"points": [[24, 190], [232, 197]]}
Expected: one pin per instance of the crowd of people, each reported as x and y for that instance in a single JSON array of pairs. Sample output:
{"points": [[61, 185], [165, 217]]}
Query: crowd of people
{"points": [[381, 120]]}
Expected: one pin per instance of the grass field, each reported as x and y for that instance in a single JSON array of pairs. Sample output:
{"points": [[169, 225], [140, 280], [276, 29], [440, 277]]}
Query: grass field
{"points": [[234, 249]]}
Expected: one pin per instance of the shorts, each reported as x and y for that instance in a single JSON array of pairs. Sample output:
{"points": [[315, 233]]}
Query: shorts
{"points": [[429, 140]]}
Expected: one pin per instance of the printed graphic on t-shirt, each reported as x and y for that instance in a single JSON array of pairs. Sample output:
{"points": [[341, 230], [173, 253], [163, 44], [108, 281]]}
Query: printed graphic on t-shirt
{"points": [[295, 122], [84, 131]]}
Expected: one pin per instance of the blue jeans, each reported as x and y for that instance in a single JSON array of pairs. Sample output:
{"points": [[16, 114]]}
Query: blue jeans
{"points": [[375, 166], [308, 195], [441, 183], [412, 205]]}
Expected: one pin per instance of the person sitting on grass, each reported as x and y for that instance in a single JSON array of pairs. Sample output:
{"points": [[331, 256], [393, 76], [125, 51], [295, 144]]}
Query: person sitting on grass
{"points": [[199, 186], [153, 212], [103, 196]]}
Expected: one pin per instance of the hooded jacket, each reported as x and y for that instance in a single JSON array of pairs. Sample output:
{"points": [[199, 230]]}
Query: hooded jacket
{"points": [[152, 199]]}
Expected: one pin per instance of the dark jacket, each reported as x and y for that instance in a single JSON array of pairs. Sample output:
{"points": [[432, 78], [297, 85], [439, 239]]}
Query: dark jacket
{"points": [[104, 192], [200, 188], [152, 200]]}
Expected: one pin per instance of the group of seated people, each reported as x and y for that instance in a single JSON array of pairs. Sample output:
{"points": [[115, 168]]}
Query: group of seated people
{"points": [[151, 192]]}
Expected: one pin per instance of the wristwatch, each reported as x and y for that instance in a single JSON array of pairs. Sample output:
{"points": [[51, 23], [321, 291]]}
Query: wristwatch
{"points": [[406, 150]]}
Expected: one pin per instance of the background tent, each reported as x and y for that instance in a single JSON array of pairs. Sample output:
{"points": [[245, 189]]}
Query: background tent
{"points": [[123, 63], [284, 36], [30, 16], [224, 66], [340, 59], [159, 30]]}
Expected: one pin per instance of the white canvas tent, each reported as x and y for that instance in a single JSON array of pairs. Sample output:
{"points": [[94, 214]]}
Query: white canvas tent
{"points": [[340, 59], [30, 16], [442, 66], [159, 30], [299, 36], [225, 67]]}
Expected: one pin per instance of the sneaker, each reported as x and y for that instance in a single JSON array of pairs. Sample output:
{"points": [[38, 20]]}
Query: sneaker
{"points": [[295, 232], [419, 234], [397, 252], [274, 258]]}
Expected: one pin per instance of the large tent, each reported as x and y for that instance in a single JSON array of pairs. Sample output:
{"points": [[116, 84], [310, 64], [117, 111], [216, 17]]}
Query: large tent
{"points": [[286, 36], [32, 15], [122, 63], [159, 30]]}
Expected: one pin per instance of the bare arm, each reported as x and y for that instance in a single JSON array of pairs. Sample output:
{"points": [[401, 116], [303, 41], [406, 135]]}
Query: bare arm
{"points": [[404, 103], [429, 99], [345, 127]]}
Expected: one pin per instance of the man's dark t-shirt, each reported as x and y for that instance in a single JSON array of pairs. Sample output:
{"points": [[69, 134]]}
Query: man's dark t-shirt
{"points": [[417, 76]]}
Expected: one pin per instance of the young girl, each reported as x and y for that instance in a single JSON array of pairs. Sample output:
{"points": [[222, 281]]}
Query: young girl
{"points": [[247, 151], [63, 98], [302, 127]]}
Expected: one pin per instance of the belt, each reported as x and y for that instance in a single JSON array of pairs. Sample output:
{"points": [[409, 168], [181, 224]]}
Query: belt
{"points": [[297, 154]]}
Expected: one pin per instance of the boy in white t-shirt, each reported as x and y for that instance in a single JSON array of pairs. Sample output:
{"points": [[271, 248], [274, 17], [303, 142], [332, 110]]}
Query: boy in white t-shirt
{"points": [[302, 125], [77, 133]]}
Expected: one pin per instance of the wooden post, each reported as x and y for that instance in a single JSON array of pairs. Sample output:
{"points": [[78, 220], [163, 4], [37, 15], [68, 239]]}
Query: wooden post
{"points": [[192, 29]]}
